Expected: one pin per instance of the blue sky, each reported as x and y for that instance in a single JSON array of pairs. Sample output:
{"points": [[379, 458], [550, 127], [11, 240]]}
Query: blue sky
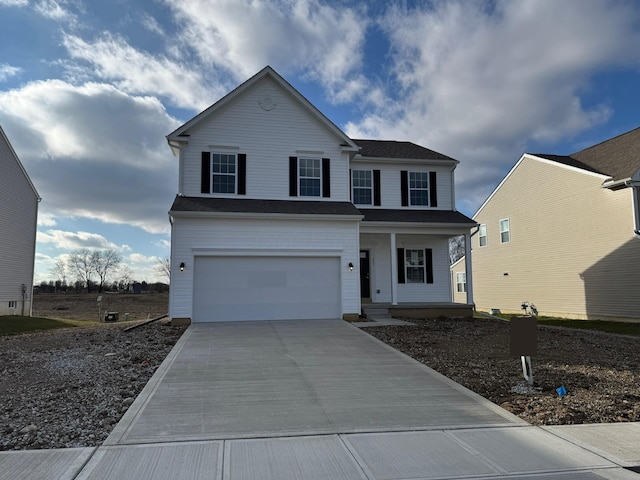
{"points": [[89, 89]]}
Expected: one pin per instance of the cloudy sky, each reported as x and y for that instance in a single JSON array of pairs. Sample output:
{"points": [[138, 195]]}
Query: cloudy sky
{"points": [[89, 89]]}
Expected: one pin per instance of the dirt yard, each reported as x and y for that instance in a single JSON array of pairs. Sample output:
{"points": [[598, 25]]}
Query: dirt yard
{"points": [[85, 306], [600, 371]]}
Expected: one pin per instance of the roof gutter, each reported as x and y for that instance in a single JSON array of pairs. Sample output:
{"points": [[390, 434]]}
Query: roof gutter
{"points": [[618, 184]]}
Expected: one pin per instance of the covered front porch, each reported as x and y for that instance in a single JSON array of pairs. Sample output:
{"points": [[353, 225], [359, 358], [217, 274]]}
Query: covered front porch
{"points": [[405, 266], [419, 310]]}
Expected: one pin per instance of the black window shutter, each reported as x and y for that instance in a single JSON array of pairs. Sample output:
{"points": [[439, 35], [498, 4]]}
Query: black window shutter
{"points": [[404, 187], [326, 177], [242, 174], [376, 188], [401, 265], [428, 260], [293, 176], [205, 176], [433, 191], [350, 186]]}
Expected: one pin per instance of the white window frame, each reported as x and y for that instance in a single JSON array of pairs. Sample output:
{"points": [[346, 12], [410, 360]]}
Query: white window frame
{"points": [[425, 190], [234, 174], [409, 264], [482, 234], [360, 187], [505, 233], [461, 282], [301, 177]]}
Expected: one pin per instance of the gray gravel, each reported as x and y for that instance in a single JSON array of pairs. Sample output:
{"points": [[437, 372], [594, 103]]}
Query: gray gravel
{"points": [[68, 388]]}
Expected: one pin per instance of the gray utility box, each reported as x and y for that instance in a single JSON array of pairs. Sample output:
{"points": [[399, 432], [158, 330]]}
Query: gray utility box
{"points": [[111, 317], [524, 336]]}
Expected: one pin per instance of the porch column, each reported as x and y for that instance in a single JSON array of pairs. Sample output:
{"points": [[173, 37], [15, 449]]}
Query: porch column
{"points": [[394, 271], [467, 267]]}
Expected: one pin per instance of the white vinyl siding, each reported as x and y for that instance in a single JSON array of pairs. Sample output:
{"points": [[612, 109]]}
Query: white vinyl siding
{"points": [[18, 218], [194, 237], [575, 254], [390, 188], [245, 125]]}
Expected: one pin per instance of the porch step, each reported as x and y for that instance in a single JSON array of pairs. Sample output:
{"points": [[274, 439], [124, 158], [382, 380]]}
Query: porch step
{"points": [[376, 312]]}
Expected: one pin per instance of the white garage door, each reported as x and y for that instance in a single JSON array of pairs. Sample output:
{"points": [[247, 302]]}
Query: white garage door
{"points": [[266, 288]]}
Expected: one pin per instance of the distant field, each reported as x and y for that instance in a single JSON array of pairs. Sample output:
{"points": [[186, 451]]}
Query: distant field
{"points": [[84, 306], [14, 324]]}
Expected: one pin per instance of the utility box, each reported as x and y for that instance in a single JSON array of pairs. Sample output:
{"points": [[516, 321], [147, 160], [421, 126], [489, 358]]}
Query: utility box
{"points": [[111, 317], [524, 336]]}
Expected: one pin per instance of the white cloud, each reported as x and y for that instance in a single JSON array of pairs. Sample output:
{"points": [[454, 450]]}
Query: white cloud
{"points": [[54, 11], [242, 36], [8, 71], [74, 240], [14, 3], [478, 80], [46, 220], [94, 151], [150, 23], [137, 72]]}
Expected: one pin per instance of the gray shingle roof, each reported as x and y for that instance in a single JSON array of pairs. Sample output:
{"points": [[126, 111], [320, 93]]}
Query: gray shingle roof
{"points": [[393, 149], [246, 205], [618, 157], [415, 216], [569, 161]]}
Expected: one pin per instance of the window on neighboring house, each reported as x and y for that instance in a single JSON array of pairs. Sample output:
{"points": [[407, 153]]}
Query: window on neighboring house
{"points": [[223, 168], [505, 231], [415, 266], [362, 184], [419, 188], [461, 282], [13, 304], [309, 177], [482, 235]]}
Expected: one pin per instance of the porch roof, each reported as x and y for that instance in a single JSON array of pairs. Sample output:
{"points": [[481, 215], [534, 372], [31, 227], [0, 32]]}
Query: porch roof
{"points": [[416, 216]]}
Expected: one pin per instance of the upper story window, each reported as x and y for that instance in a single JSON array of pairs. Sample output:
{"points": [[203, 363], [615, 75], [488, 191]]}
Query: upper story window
{"points": [[419, 188], [362, 184], [482, 235], [309, 177], [223, 168], [461, 282], [224, 172], [505, 231]]}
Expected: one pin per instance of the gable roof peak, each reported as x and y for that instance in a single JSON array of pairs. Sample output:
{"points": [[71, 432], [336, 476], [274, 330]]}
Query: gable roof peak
{"points": [[178, 135]]}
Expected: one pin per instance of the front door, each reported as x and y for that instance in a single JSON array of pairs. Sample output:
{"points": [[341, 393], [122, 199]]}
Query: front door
{"points": [[365, 285]]}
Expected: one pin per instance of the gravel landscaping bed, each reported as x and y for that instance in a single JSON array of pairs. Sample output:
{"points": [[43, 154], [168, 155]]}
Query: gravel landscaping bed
{"points": [[69, 387], [600, 371]]}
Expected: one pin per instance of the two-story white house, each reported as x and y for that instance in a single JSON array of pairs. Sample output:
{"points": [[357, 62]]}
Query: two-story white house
{"points": [[18, 223], [280, 215]]}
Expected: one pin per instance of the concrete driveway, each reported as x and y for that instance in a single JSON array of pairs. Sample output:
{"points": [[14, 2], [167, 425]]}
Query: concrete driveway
{"points": [[314, 400]]}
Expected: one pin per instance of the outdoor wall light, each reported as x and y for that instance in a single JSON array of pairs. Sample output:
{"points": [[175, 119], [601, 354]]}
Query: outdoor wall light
{"points": [[350, 267], [182, 267]]}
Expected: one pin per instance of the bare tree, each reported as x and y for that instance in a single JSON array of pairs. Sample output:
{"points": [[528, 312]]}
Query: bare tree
{"points": [[59, 271], [163, 267], [456, 248], [105, 263], [126, 276], [81, 265]]}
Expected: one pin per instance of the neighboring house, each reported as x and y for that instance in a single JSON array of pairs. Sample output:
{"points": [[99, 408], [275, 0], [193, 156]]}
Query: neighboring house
{"points": [[561, 232], [281, 215], [18, 222]]}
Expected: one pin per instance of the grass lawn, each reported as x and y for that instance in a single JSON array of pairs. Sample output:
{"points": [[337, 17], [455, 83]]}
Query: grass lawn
{"points": [[625, 328], [13, 324]]}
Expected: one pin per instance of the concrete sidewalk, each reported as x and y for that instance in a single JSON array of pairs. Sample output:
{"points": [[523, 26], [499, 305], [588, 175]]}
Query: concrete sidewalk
{"points": [[323, 400]]}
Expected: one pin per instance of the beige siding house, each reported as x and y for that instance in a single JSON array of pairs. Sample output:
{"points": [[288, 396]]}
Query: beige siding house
{"points": [[18, 220], [562, 232]]}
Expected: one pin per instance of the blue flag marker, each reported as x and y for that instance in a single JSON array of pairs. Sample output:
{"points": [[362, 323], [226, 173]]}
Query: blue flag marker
{"points": [[561, 391]]}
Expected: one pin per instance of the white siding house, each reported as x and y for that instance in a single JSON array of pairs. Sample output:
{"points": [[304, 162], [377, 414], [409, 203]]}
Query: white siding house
{"points": [[279, 214], [18, 221]]}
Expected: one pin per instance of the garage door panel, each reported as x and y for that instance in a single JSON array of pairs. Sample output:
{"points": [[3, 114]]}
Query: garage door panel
{"points": [[264, 288]]}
